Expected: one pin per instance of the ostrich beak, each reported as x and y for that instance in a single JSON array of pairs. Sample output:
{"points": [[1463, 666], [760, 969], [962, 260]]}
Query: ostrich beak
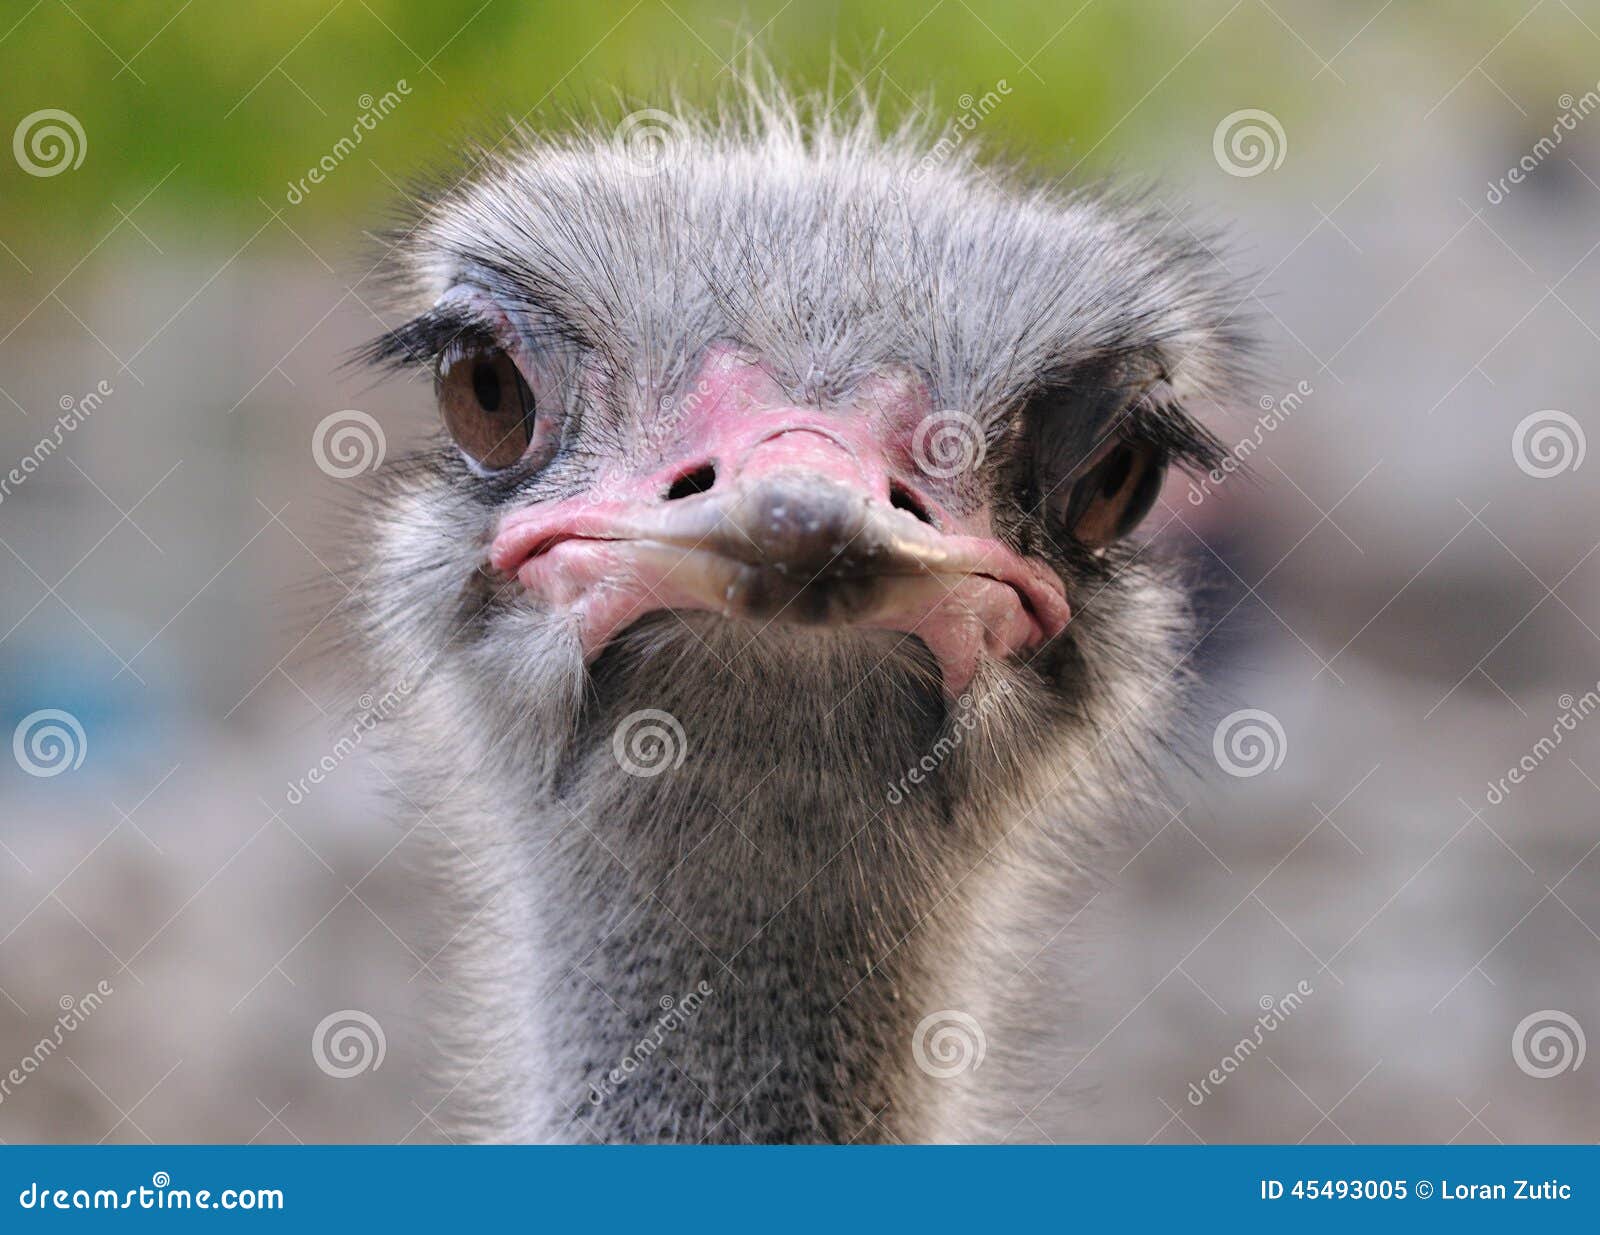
{"points": [[795, 523]]}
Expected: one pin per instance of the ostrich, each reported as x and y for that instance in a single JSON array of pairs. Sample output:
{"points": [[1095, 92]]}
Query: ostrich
{"points": [[772, 640]]}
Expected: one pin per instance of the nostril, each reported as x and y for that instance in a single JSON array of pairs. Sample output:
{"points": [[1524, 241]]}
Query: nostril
{"points": [[902, 498], [699, 480]]}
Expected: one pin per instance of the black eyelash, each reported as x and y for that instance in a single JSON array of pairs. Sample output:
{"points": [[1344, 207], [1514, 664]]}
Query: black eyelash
{"points": [[1102, 408], [1120, 392], [1172, 431], [422, 341]]}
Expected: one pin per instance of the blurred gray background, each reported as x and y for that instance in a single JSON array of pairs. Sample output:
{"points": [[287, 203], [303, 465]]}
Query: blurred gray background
{"points": [[1409, 597]]}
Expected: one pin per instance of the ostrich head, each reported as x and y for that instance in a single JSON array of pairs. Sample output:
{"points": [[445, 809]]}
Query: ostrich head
{"points": [[770, 604]]}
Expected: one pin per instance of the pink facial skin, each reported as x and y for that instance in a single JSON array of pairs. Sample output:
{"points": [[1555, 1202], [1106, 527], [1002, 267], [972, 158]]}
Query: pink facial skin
{"points": [[798, 526]]}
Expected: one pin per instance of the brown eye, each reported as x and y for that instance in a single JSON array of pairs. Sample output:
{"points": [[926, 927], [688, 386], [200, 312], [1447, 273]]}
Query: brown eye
{"points": [[1110, 499], [487, 407]]}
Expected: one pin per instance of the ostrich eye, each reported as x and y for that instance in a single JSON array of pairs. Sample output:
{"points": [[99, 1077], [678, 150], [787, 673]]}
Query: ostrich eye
{"points": [[487, 407], [1114, 495]]}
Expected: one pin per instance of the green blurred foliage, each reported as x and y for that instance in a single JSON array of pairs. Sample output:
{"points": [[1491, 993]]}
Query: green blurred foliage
{"points": [[224, 104]]}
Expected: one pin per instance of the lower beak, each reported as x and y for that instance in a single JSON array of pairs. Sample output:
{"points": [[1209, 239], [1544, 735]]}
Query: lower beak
{"points": [[811, 539]]}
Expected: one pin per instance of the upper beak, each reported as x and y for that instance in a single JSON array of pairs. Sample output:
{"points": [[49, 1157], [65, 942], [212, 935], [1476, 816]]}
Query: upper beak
{"points": [[798, 525]]}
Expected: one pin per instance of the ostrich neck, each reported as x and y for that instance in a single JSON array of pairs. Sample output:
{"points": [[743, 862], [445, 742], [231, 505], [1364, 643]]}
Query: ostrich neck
{"points": [[742, 947], [745, 966]]}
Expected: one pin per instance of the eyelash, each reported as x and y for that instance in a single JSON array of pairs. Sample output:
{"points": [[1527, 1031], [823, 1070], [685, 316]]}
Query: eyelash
{"points": [[1148, 420], [1170, 430], [424, 341]]}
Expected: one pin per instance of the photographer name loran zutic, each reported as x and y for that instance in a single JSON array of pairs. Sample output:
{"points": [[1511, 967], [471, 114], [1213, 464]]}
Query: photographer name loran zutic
{"points": [[1422, 1189]]}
